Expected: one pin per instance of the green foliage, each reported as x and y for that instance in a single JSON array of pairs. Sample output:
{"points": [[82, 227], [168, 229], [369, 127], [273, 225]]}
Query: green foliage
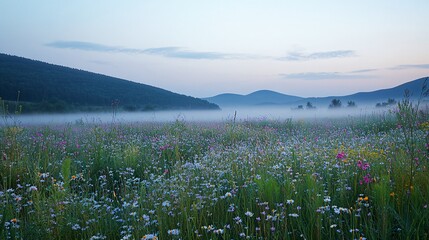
{"points": [[409, 118], [66, 170], [336, 179]]}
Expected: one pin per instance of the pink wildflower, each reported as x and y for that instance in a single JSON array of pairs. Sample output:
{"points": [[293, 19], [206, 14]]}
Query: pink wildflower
{"points": [[366, 179], [362, 165], [341, 155]]}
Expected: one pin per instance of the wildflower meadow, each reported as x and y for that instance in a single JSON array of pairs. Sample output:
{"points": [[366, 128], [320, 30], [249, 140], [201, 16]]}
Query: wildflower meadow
{"points": [[361, 177]]}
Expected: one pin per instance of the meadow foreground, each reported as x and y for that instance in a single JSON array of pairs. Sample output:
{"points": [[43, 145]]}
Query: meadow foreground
{"points": [[351, 178]]}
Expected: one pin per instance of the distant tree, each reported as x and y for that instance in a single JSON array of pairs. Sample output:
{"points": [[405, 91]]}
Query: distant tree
{"points": [[299, 107], [310, 106], [335, 103], [351, 104], [391, 101]]}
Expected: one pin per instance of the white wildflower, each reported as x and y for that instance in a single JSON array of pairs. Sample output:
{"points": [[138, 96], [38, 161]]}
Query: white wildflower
{"points": [[173, 232], [249, 214]]}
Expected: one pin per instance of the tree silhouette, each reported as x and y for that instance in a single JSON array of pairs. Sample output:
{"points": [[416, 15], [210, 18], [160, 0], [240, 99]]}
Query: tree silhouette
{"points": [[391, 101], [310, 105], [351, 104], [335, 103]]}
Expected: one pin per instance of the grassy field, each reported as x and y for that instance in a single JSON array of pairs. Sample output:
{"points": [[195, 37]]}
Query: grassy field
{"points": [[350, 178]]}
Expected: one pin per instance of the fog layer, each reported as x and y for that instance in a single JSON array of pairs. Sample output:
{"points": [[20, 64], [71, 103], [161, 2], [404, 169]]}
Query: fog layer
{"points": [[227, 114]]}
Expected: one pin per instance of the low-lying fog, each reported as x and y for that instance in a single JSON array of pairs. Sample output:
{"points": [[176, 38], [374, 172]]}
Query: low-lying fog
{"points": [[226, 114]]}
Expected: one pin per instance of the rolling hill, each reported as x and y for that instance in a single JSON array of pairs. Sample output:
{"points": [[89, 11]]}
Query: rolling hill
{"points": [[265, 97], [378, 96], [262, 97], [46, 87]]}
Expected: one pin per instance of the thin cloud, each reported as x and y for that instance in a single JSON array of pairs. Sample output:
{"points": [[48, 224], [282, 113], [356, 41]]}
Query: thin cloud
{"points": [[364, 70], [411, 66], [299, 56], [176, 52], [323, 76], [88, 46], [170, 52]]}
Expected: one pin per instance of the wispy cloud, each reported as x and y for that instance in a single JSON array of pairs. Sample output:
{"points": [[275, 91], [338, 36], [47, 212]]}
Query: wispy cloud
{"points": [[364, 70], [171, 52], [324, 76], [411, 66], [88, 46], [177, 52], [299, 56]]}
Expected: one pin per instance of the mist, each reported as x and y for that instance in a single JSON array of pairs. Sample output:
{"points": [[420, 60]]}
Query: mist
{"points": [[226, 114]]}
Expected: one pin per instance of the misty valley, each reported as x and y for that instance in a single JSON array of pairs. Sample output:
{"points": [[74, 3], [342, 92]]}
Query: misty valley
{"points": [[254, 173], [122, 160], [220, 120], [239, 114]]}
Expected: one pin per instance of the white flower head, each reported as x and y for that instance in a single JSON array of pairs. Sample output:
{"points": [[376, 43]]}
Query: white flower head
{"points": [[173, 232], [249, 214]]}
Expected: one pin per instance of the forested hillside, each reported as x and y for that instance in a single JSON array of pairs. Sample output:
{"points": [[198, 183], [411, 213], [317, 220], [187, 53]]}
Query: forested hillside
{"points": [[46, 87]]}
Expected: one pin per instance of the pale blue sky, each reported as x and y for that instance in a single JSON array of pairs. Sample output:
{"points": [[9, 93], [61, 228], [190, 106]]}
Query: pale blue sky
{"points": [[205, 47]]}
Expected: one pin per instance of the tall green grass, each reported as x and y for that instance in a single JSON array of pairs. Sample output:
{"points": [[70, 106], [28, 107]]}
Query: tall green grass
{"points": [[341, 179]]}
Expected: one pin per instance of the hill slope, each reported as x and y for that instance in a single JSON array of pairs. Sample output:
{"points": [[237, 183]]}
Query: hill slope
{"points": [[49, 87], [414, 87], [262, 97], [265, 97]]}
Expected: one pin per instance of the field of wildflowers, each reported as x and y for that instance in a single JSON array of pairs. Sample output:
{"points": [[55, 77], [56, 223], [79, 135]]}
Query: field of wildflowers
{"points": [[351, 178]]}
